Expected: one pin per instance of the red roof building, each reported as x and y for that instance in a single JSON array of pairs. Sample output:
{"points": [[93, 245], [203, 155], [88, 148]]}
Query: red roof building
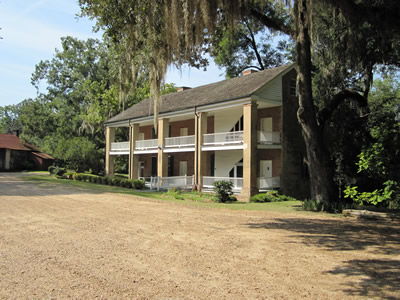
{"points": [[17, 155]]}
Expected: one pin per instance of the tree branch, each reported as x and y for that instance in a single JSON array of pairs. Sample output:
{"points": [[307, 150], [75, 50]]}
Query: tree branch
{"points": [[254, 46], [271, 23], [327, 112]]}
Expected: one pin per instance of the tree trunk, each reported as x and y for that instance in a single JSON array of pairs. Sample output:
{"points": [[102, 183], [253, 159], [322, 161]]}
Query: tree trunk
{"points": [[322, 185]]}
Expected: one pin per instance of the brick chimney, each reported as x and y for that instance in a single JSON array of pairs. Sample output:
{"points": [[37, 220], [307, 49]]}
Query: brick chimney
{"points": [[182, 88], [248, 72]]}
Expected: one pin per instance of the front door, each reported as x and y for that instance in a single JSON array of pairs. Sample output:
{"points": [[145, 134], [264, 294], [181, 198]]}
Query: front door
{"points": [[266, 124], [154, 166], [183, 168], [265, 168]]}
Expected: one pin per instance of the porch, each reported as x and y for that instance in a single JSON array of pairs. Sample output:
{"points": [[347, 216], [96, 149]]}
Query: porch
{"points": [[187, 182]]}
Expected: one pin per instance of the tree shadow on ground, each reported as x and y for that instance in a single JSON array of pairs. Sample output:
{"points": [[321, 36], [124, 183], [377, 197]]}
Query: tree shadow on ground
{"points": [[379, 278], [340, 234], [372, 277]]}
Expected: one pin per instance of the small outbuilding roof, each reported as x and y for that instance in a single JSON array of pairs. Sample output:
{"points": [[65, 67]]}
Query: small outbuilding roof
{"points": [[13, 142], [229, 89]]}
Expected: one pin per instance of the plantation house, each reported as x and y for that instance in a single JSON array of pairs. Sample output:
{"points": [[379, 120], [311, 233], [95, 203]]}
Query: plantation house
{"points": [[243, 129]]}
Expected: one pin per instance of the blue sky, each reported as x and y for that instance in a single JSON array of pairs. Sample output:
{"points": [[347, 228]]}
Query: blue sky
{"points": [[31, 31]]}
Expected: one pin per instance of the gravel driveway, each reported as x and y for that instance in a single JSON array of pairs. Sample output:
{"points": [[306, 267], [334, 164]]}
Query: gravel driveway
{"points": [[57, 241]]}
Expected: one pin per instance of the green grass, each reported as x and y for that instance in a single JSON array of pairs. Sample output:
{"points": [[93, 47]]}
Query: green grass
{"points": [[190, 198], [97, 188]]}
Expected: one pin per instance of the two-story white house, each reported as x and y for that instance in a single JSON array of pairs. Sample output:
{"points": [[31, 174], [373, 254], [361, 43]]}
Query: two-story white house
{"points": [[243, 129]]}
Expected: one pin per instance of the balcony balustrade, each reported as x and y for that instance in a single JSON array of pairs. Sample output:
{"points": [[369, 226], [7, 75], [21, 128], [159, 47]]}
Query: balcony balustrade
{"points": [[208, 181], [120, 147], [268, 137], [180, 141], [223, 138], [268, 183], [146, 144], [168, 182], [210, 139]]}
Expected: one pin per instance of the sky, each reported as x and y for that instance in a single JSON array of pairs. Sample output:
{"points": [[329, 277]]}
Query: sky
{"points": [[31, 31]]}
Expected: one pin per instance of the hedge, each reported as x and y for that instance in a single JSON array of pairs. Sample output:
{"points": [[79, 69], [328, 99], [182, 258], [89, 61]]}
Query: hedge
{"points": [[114, 180]]}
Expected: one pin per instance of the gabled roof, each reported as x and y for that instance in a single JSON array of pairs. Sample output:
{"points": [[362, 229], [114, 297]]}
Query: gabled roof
{"points": [[230, 89], [12, 142], [42, 155]]}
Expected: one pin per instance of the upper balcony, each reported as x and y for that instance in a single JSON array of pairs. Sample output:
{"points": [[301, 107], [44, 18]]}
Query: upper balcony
{"points": [[211, 141]]}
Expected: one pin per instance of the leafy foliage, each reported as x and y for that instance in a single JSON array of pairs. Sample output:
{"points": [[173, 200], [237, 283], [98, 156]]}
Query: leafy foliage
{"points": [[9, 122], [79, 154], [270, 196], [383, 196], [224, 191]]}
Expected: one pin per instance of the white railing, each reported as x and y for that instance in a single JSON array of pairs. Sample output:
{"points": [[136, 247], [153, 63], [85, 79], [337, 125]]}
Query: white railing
{"points": [[120, 147], [223, 138], [269, 182], [146, 144], [180, 141], [208, 181], [268, 137], [169, 182]]}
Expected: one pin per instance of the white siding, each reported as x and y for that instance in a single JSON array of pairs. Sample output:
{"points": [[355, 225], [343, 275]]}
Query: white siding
{"points": [[225, 161], [273, 91]]}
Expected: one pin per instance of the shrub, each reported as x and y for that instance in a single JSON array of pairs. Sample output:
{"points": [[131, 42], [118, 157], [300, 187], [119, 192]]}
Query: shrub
{"points": [[312, 205], [224, 191], [116, 181], [51, 169], [68, 175], [137, 184], [270, 196], [107, 180], [59, 171], [126, 183]]}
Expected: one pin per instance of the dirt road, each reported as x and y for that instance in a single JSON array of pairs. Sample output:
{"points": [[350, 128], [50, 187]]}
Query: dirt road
{"points": [[62, 242]]}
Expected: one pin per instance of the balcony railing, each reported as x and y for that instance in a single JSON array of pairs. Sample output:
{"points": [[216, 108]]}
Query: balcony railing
{"points": [[157, 183], [208, 181], [223, 138], [146, 144], [268, 137], [120, 147], [268, 183], [180, 141]]}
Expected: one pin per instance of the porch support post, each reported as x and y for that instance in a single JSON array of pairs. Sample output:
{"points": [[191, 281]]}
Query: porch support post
{"points": [[133, 159], [250, 150], [110, 138], [162, 164], [200, 156], [7, 159]]}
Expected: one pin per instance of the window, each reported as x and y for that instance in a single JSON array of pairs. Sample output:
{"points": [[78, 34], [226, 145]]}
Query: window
{"points": [[141, 136], [184, 131], [293, 87]]}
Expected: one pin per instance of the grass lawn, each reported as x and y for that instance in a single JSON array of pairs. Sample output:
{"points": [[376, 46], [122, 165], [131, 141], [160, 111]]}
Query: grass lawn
{"points": [[189, 198]]}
